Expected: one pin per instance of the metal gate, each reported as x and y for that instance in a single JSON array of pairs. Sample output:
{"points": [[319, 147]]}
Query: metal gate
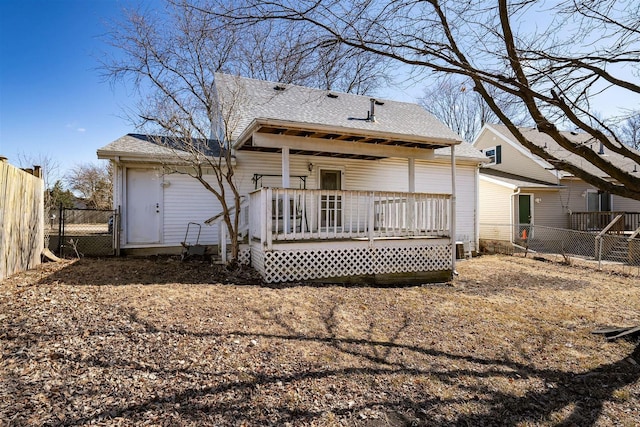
{"points": [[85, 233]]}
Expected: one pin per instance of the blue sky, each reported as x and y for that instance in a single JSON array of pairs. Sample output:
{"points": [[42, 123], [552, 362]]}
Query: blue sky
{"points": [[53, 101]]}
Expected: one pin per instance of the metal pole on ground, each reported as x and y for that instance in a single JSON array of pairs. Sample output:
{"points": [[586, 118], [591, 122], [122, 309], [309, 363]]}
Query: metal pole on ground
{"points": [[60, 228]]}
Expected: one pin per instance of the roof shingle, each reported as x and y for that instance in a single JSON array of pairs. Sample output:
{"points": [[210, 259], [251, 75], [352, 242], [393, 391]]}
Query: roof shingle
{"points": [[258, 99], [541, 139]]}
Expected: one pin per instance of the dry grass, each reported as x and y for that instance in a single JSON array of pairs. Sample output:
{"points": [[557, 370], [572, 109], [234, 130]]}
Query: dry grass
{"points": [[158, 342]]}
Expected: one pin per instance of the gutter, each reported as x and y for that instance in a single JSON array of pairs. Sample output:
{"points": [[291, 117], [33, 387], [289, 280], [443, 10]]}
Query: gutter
{"points": [[123, 157]]}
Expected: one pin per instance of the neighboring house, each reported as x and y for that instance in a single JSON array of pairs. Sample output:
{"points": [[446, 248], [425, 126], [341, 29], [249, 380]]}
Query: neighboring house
{"points": [[368, 184], [519, 188]]}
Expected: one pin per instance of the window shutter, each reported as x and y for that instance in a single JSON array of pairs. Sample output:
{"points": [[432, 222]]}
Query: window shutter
{"points": [[498, 154]]}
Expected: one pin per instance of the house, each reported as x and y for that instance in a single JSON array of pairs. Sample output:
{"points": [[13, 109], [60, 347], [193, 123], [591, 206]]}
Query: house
{"points": [[339, 187], [518, 188]]}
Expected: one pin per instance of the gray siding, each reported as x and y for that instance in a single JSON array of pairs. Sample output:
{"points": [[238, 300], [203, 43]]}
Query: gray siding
{"points": [[551, 208]]}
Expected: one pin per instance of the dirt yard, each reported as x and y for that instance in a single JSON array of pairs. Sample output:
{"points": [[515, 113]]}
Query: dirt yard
{"points": [[159, 342]]}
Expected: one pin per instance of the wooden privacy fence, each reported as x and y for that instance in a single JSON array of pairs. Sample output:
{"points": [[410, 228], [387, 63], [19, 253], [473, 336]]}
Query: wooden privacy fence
{"points": [[21, 219]]}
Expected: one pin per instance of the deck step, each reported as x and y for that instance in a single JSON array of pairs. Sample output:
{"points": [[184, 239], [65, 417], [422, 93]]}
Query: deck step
{"points": [[618, 252]]}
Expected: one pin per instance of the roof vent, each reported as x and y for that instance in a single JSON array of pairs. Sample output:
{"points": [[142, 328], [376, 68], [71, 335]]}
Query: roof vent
{"points": [[379, 102], [371, 115], [332, 95], [601, 150], [279, 88], [573, 132]]}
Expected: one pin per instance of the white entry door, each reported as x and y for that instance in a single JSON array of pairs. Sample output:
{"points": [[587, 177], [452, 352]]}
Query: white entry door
{"points": [[144, 200], [331, 204]]}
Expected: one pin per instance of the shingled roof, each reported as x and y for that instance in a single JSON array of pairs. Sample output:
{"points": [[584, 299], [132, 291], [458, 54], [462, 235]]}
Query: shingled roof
{"points": [[290, 110], [318, 110], [543, 140], [144, 146]]}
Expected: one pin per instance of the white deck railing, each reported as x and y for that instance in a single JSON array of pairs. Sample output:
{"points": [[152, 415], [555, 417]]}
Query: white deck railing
{"points": [[292, 214]]}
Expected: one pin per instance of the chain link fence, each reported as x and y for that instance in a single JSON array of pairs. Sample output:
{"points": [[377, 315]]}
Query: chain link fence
{"points": [[84, 232], [620, 249]]}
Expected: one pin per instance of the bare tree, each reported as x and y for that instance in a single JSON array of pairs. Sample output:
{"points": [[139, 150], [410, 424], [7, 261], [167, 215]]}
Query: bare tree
{"points": [[50, 169], [92, 183], [630, 131], [557, 59], [172, 58], [452, 100]]}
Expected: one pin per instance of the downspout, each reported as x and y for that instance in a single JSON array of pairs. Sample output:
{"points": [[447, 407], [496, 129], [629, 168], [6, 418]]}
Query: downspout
{"points": [[117, 183], [116, 179]]}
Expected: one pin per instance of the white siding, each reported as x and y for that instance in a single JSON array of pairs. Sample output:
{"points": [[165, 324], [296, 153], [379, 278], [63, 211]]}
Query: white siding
{"points": [[186, 200], [378, 175], [513, 160]]}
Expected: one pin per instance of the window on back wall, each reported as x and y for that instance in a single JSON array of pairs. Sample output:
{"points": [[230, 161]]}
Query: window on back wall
{"points": [[494, 154]]}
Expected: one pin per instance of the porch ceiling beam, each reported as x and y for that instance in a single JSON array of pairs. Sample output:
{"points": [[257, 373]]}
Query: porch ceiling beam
{"points": [[339, 147]]}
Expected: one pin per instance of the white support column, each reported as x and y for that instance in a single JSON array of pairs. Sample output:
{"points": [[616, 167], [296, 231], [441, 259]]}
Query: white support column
{"points": [[268, 219], [371, 217], [412, 175], [286, 183], [223, 241], [453, 208], [411, 211], [286, 175], [265, 216], [476, 236]]}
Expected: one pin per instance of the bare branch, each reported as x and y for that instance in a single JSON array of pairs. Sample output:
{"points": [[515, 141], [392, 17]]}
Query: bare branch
{"points": [[557, 60]]}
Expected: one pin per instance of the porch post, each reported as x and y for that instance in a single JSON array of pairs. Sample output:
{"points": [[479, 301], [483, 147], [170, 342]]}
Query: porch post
{"points": [[268, 219], [412, 175], [286, 183], [286, 179], [371, 214], [453, 209], [223, 241], [411, 211], [265, 216]]}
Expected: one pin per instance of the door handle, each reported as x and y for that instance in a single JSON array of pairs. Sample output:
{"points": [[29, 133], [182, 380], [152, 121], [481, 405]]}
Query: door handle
{"points": [[157, 207]]}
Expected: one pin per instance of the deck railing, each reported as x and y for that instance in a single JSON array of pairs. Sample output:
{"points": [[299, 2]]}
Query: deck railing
{"points": [[596, 221], [292, 214]]}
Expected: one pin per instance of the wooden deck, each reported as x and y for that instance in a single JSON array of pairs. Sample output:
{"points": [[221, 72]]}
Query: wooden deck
{"points": [[597, 221]]}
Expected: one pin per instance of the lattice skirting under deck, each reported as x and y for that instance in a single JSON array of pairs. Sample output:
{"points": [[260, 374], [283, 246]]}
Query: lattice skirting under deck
{"points": [[244, 255], [303, 264]]}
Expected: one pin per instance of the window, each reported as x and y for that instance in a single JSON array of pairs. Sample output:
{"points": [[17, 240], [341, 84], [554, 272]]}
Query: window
{"points": [[494, 154], [598, 201]]}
